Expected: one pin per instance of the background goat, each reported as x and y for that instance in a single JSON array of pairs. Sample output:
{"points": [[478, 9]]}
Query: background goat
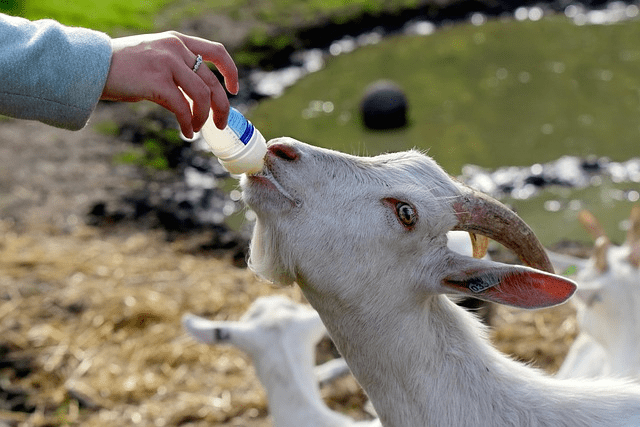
{"points": [[281, 338], [365, 239], [608, 304]]}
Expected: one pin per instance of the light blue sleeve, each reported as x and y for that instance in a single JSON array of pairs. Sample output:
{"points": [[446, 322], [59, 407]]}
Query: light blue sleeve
{"points": [[51, 73]]}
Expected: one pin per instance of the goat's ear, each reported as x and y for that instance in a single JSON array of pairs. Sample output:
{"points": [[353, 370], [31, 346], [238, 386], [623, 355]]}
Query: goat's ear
{"points": [[206, 331], [512, 285]]}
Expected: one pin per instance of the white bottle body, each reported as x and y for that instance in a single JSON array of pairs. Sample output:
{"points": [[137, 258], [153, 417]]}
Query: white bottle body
{"points": [[239, 147]]}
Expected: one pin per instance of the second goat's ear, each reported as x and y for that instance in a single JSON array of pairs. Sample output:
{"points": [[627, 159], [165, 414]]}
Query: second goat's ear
{"points": [[207, 331], [512, 285]]}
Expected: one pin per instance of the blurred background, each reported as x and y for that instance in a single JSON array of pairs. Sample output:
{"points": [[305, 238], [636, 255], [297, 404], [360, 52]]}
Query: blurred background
{"points": [[110, 234]]}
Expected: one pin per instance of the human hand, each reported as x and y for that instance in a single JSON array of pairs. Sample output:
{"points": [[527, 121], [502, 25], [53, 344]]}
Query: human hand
{"points": [[156, 66]]}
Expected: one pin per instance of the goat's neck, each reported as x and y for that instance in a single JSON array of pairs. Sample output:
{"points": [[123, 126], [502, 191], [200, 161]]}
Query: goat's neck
{"points": [[292, 388], [422, 364]]}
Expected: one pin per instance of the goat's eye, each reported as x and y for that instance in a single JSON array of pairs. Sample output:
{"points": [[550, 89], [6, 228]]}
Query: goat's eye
{"points": [[406, 214]]}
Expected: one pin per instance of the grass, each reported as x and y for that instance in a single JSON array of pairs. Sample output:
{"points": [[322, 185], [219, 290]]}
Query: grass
{"points": [[286, 12], [155, 153], [505, 93], [115, 16], [111, 16]]}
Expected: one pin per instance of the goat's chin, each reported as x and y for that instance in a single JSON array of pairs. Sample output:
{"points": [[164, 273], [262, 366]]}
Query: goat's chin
{"points": [[264, 260]]}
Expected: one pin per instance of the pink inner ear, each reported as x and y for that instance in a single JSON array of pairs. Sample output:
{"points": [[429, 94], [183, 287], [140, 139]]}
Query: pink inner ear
{"points": [[532, 290], [524, 289]]}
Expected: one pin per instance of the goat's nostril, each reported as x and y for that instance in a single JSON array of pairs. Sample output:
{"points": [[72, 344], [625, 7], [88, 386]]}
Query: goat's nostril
{"points": [[284, 151]]}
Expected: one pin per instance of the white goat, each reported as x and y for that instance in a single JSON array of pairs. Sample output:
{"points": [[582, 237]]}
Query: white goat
{"points": [[365, 239], [608, 305], [281, 338], [291, 319]]}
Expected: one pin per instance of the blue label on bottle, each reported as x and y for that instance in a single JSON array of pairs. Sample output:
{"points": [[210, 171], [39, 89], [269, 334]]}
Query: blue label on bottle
{"points": [[240, 126]]}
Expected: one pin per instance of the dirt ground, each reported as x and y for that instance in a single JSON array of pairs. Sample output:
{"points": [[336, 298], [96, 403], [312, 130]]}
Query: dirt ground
{"points": [[90, 328]]}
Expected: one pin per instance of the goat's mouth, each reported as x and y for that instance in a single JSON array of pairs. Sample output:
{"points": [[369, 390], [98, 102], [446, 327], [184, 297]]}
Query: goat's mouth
{"points": [[266, 178]]}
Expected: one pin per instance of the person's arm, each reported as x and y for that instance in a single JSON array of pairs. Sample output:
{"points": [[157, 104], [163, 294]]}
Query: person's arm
{"points": [[57, 74], [51, 73]]}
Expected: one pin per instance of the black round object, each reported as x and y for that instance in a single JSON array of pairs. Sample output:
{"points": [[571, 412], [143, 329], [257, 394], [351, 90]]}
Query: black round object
{"points": [[384, 106]]}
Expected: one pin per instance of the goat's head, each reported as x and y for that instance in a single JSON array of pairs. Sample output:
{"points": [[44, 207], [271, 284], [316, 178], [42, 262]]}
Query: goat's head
{"points": [[343, 225], [268, 321]]}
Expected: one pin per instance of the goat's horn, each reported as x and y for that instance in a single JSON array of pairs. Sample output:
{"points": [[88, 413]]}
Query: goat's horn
{"points": [[482, 214], [633, 235], [479, 244], [601, 248], [592, 225], [634, 255]]}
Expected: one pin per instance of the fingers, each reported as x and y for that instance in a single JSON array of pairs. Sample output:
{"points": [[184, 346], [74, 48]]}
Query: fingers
{"points": [[198, 90], [157, 66], [173, 100], [217, 100], [220, 105], [216, 53]]}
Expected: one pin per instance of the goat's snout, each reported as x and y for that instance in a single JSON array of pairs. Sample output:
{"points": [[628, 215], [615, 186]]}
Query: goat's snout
{"points": [[284, 151]]}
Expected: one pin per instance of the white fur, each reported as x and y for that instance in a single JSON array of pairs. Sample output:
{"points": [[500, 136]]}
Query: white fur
{"points": [[281, 337], [458, 241], [378, 287], [608, 305]]}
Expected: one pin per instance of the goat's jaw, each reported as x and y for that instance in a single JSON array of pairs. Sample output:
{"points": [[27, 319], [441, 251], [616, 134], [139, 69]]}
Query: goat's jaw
{"points": [[259, 187]]}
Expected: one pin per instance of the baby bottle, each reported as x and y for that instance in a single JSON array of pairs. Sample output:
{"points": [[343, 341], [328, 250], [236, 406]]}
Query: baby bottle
{"points": [[239, 147]]}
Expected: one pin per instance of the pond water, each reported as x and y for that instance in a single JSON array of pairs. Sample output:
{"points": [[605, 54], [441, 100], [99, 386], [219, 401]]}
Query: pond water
{"points": [[550, 196]]}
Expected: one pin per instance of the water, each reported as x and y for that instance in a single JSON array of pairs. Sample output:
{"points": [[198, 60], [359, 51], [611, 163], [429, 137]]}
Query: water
{"points": [[568, 172], [550, 196]]}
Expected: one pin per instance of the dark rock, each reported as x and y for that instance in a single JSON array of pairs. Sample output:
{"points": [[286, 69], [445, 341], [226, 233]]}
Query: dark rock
{"points": [[593, 164], [384, 106]]}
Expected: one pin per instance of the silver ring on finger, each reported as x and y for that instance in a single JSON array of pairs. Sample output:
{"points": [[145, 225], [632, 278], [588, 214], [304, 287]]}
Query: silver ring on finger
{"points": [[197, 64]]}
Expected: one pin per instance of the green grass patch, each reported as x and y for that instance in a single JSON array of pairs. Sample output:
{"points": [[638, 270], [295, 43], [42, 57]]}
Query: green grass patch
{"points": [[274, 23], [286, 12], [505, 93], [148, 157], [107, 127], [158, 149], [110, 16]]}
